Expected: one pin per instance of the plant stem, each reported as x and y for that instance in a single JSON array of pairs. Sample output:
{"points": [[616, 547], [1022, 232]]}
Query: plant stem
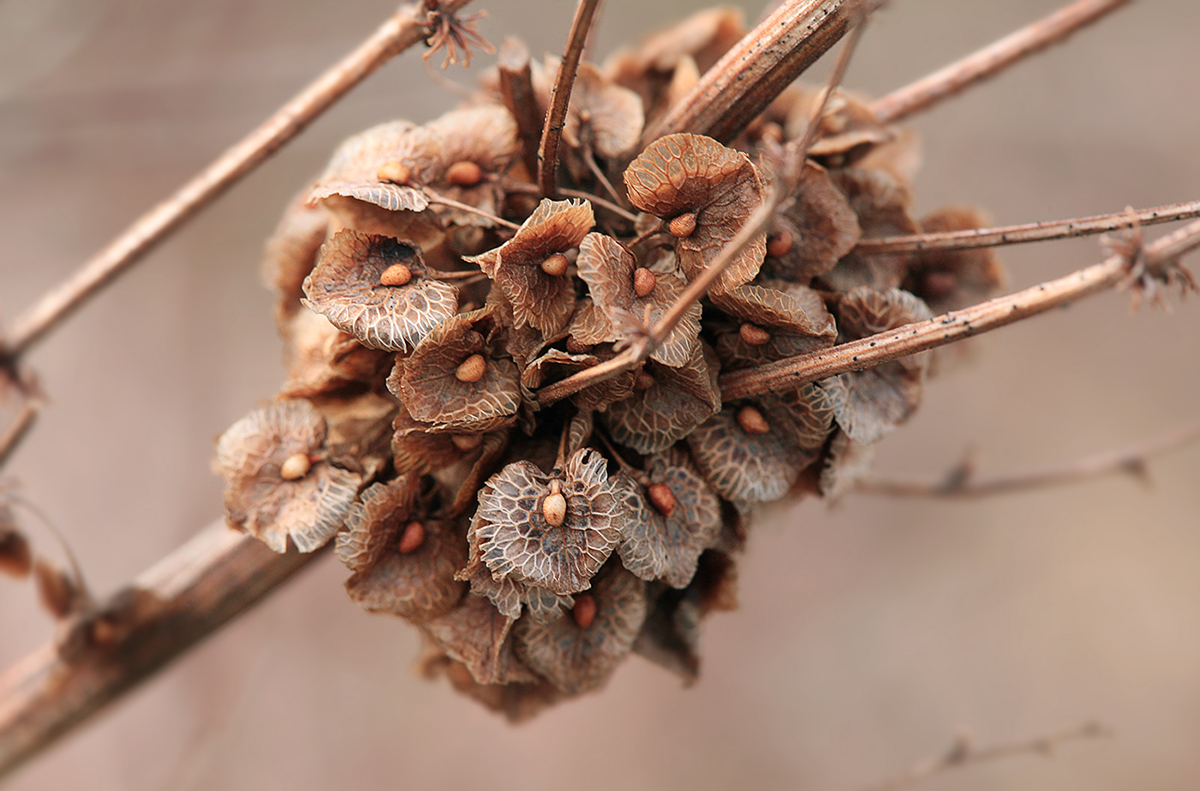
{"points": [[1028, 232], [117, 645], [402, 30], [990, 60], [751, 74], [957, 325], [560, 97]]}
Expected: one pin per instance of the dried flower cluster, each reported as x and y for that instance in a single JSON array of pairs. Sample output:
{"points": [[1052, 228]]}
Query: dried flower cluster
{"points": [[537, 545]]}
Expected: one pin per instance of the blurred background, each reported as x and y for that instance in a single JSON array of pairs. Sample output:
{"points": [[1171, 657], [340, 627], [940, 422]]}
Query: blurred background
{"points": [[868, 634]]}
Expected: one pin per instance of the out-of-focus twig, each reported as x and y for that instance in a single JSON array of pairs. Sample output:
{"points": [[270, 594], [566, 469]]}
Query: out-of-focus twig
{"points": [[990, 60], [402, 30], [560, 97]]}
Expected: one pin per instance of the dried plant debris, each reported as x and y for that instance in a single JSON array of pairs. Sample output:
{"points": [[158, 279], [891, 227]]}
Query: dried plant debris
{"points": [[428, 296], [278, 481], [16, 556]]}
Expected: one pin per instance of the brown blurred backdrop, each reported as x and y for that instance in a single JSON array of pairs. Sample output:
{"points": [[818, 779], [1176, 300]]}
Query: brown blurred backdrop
{"points": [[868, 633]]}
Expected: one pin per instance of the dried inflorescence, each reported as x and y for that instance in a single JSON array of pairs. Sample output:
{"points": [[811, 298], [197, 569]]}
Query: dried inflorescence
{"points": [[536, 541]]}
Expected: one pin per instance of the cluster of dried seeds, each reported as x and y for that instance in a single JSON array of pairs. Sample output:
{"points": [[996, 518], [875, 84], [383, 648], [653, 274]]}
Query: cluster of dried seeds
{"points": [[536, 545]]}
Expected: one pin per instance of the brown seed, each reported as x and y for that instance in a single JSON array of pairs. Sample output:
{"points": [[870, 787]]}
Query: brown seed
{"points": [[644, 281], [752, 421], [779, 244], [466, 441], [471, 370], [16, 558], [412, 538], [395, 172], [683, 225], [753, 335], [584, 610], [295, 466], [555, 265], [554, 508], [643, 380], [396, 275], [464, 174], [663, 498]]}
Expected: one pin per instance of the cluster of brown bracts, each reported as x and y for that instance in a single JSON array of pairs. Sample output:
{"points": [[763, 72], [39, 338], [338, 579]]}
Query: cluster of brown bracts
{"points": [[427, 294]]}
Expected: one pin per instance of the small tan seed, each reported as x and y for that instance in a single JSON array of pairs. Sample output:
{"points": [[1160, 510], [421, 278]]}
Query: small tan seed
{"points": [[643, 380], [412, 538], [295, 466], [555, 265], [662, 498], [554, 508], [644, 281], [779, 244], [752, 421], [683, 225], [395, 172], [577, 347], [584, 611], [396, 275], [753, 335], [471, 370], [464, 174]]}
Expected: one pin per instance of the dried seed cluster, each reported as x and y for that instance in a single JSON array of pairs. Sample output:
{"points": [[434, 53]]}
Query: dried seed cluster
{"points": [[535, 545]]}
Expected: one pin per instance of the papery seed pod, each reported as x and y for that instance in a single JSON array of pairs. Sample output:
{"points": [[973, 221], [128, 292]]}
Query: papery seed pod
{"points": [[403, 559], [579, 659], [819, 225], [670, 635], [477, 634], [518, 701], [881, 202], [458, 379], [258, 499], [778, 320], [602, 115], [322, 360], [514, 538], [670, 525], [882, 397], [609, 269], [951, 279], [684, 174], [673, 402], [347, 288], [539, 299], [847, 130], [290, 254], [58, 591]]}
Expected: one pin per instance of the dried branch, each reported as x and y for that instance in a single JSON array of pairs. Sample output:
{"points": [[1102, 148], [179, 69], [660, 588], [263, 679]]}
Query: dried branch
{"points": [[1028, 232], [118, 644], [751, 74], [516, 88], [959, 482], [18, 429], [404, 29], [959, 324], [962, 753], [560, 97], [990, 60]]}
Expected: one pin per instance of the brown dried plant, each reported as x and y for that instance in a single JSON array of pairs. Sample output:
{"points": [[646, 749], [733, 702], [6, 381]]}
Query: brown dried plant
{"points": [[537, 411]]}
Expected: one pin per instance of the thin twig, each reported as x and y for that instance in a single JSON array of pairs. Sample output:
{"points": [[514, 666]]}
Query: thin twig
{"points": [[754, 72], [402, 30], [954, 326], [513, 185], [1028, 232], [962, 753], [560, 97], [118, 644], [959, 482], [444, 201], [992, 59], [18, 429]]}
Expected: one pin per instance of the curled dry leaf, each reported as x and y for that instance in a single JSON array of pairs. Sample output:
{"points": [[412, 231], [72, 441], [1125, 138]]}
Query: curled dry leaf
{"points": [[259, 500], [684, 175], [347, 287], [539, 299]]}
